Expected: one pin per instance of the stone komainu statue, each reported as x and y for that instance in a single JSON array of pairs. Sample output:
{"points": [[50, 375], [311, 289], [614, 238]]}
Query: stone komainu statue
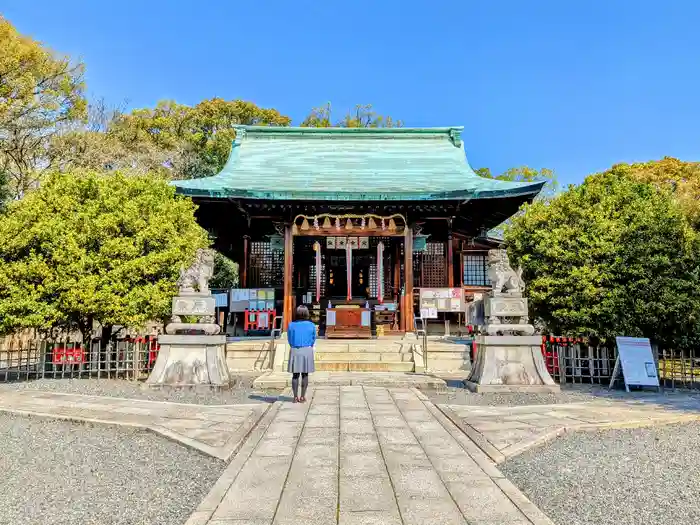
{"points": [[196, 278], [505, 309], [504, 280]]}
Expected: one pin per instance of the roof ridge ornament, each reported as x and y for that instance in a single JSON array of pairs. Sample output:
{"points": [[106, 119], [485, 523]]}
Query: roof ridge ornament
{"points": [[456, 137], [240, 133]]}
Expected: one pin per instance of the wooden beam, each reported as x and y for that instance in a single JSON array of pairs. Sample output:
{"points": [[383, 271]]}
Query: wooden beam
{"points": [[408, 273], [288, 268], [355, 232]]}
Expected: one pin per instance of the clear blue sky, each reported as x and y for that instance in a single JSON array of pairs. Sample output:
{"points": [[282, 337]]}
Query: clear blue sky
{"points": [[573, 85]]}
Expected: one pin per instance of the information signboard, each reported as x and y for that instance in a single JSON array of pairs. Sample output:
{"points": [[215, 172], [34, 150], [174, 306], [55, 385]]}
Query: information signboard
{"points": [[434, 300], [252, 299], [635, 360]]}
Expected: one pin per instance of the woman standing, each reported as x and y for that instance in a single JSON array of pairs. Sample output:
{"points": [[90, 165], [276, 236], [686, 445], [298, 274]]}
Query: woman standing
{"points": [[301, 335]]}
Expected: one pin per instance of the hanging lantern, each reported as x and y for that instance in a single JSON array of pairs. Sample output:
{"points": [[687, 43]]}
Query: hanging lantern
{"points": [[371, 224], [295, 230], [392, 225], [337, 223], [304, 224], [348, 225], [383, 225], [327, 222], [316, 226], [362, 223]]}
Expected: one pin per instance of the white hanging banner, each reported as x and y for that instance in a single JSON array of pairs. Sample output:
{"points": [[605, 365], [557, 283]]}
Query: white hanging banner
{"points": [[348, 264], [317, 247]]}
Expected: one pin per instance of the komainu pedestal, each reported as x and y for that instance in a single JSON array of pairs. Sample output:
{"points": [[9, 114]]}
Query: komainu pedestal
{"points": [[192, 353], [190, 360], [509, 363]]}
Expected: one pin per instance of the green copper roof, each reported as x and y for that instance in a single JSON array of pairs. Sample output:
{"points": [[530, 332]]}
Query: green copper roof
{"points": [[351, 164]]}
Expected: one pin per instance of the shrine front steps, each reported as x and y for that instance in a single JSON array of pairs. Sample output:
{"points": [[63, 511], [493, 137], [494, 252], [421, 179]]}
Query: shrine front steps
{"points": [[364, 355]]}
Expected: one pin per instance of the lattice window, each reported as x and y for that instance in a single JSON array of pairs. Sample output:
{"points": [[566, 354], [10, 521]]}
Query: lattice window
{"points": [[266, 267], [429, 266], [475, 271]]}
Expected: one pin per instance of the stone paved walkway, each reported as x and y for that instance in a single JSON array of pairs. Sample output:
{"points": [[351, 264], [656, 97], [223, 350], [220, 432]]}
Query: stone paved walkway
{"points": [[503, 432], [359, 455], [213, 429]]}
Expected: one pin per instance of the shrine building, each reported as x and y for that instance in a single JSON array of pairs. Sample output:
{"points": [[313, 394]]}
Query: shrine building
{"points": [[354, 222]]}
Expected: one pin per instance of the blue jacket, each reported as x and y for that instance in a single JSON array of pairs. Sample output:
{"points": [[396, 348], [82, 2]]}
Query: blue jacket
{"points": [[301, 334]]}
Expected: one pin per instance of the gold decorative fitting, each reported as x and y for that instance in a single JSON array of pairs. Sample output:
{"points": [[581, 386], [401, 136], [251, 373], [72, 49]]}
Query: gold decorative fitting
{"points": [[371, 224], [295, 230], [317, 246], [304, 224], [392, 225], [327, 222], [348, 225]]}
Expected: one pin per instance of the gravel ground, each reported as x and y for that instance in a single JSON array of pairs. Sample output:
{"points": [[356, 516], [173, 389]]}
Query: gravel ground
{"points": [[242, 390], [647, 476], [64, 473], [568, 394]]}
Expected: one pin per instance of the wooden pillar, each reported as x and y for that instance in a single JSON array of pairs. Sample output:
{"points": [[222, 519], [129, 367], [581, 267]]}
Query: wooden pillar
{"points": [[246, 256], [450, 257], [408, 273], [288, 266], [397, 268]]}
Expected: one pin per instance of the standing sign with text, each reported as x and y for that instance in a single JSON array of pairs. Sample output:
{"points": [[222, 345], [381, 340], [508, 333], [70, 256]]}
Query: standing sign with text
{"points": [[637, 361], [434, 300]]}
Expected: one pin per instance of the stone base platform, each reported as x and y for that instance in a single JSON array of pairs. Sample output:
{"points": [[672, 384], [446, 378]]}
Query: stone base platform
{"points": [[510, 363], [279, 380], [190, 361]]}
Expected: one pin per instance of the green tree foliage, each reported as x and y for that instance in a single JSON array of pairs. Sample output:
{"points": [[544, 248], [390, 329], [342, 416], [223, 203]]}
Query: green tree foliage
{"points": [[225, 272], [681, 178], [197, 139], [362, 117], [90, 247], [614, 256], [40, 92], [525, 174]]}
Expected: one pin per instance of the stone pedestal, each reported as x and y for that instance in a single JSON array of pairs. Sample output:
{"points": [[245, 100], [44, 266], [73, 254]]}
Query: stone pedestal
{"points": [[190, 360], [510, 363]]}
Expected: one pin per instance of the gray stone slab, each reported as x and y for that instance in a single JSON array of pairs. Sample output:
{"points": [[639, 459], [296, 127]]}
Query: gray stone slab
{"points": [[281, 429], [276, 447], [399, 456], [362, 464], [430, 511], [358, 443], [319, 456], [381, 420], [366, 493], [256, 491], [370, 518], [355, 413], [485, 503], [319, 435], [356, 426], [322, 421], [396, 436]]}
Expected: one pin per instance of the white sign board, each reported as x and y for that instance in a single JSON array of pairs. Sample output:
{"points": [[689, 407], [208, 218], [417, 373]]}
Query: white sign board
{"points": [[428, 313], [637, 361]]}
